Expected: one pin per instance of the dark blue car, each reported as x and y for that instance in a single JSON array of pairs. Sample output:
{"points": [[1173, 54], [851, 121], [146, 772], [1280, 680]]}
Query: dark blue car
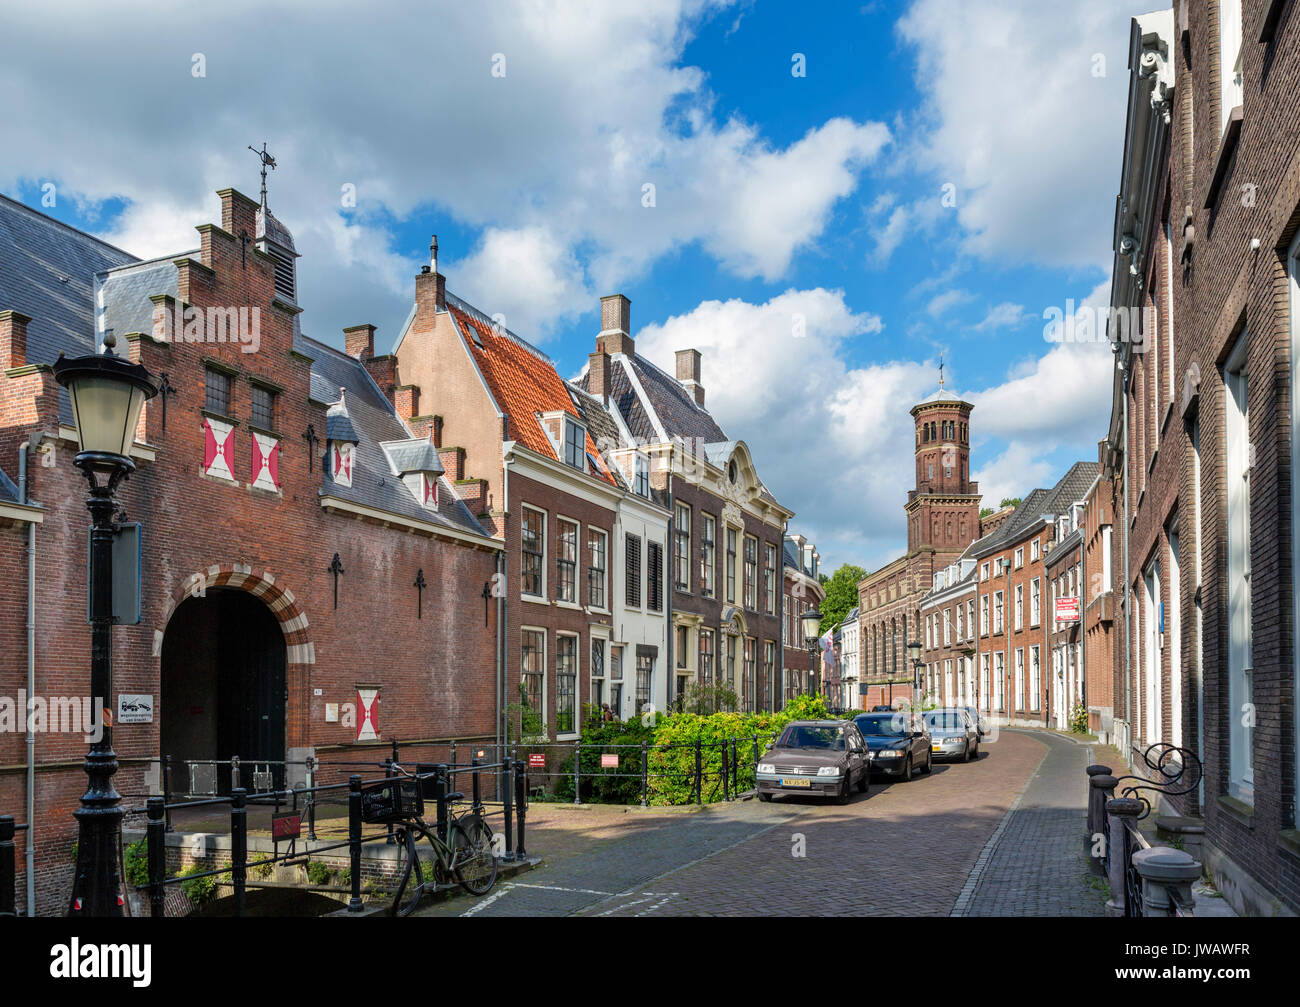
{"points": [[898, 742]]}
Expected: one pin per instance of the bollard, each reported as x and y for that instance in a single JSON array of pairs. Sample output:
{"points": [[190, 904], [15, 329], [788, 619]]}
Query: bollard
{"points": [[1092, 811], [506, 805], [699, 773], [7, 866], [310, 797], [1101, 788], [521, 805], [645, 772], [451, 752], [354, 841], [577, 773], [477, 806], [1165, 869], [234, 773], [156, 837], [1120, 810], [238, 846]]}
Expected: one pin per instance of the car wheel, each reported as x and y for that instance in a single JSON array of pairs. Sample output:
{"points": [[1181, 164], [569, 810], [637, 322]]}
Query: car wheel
{"points": [[929, 763], [864, 783], [764, 797], [907, 769], [846, 791], [970, 751]]}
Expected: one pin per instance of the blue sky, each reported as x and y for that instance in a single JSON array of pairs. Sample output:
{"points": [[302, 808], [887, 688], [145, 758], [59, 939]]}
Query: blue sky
{"points": [[816, 198]]}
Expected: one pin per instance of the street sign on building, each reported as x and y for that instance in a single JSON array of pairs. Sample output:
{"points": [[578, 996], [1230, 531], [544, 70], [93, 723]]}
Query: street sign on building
{"points": [[536, 760], [1067, 609]]}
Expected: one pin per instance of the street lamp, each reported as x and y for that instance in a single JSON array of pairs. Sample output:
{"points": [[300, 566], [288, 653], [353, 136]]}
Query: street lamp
{"points": [[812, 624], [107, 395], [914, 652]]}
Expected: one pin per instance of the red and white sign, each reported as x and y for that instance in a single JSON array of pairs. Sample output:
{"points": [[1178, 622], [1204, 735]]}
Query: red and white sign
{"points": [[218, 449], [266, 462], [608, 761], [536, 760], [367, 715], [1067, 609], [342, 473]]}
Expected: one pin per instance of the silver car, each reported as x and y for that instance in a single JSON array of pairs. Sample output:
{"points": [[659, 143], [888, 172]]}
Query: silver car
{"points": [[953, 734]]}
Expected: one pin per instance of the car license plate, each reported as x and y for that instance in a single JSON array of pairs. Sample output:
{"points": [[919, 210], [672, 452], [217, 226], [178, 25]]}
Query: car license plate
{"points": [[934, 748], [794, 781]]}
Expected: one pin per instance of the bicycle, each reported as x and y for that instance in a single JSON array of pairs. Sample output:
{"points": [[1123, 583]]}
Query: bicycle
{"points": [[464, 857]]}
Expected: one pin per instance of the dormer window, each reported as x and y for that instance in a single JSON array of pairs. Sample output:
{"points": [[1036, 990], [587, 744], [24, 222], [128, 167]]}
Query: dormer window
{"points": [[416, 462], [641, 481], [575, 445]]}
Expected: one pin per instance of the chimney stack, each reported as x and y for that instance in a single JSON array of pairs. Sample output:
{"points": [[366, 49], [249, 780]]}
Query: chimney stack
{"points": [[616, 326], [359, 341], [688, 373], [13, 339], [433, 254], [406, 399], [598, 375], [430, 285]]}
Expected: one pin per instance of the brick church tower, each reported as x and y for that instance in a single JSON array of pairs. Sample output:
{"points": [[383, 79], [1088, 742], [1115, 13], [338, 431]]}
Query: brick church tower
{"points": [[943, 511]]}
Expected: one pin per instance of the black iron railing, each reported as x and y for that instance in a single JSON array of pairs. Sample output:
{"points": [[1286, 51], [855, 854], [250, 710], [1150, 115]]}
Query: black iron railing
{"points": [[8, 829]]}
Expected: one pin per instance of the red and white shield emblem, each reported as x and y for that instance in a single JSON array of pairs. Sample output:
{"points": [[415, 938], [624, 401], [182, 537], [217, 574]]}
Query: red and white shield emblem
{"points": [[266, 462], [367, 715], [218, 449]]}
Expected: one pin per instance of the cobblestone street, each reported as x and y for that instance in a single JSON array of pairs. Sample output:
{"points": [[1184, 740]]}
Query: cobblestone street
{"points": [[1000, 836]]}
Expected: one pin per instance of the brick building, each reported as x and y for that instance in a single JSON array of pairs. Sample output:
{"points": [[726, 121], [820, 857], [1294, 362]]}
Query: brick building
{"points": [[585, 533], [949, 638], [726, 528], [802, 591], [1098, 615], [1202, 444], [288, 508], [943, 518]]}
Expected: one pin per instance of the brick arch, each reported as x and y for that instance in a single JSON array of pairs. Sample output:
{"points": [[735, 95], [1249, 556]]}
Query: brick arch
{"points": [[300, 652]]}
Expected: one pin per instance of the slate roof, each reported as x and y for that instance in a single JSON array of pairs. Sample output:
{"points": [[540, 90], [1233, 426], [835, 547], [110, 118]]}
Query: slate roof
{"points": [[1071, 487], [415, 454], [523, 381], [374, 420], [338, 421]]}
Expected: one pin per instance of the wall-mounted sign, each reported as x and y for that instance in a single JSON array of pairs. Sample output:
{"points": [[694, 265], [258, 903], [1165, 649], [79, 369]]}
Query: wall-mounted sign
{"points": [[536, 760], [367, 714], [125, 590], [1067, 609], [134, 709], [286, 826]]}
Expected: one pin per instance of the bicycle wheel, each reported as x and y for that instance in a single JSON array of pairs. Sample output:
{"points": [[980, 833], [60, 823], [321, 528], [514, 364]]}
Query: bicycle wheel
{"points": [[473, 861], [407, 896]]}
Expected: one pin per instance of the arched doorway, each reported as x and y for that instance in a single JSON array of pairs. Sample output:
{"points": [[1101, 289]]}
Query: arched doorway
{"points": [[224, 683]]}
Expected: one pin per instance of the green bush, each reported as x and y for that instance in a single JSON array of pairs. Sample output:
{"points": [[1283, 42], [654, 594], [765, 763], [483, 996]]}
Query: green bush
{"points": [[1079, 719], [199, 891], [671, 758], [318, 873], [135, 863]]}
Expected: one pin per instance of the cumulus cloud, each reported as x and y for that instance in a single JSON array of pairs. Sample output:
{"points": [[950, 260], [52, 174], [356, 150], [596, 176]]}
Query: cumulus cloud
{"points": [[1003, 316], [496, 116], [1023, 113]]}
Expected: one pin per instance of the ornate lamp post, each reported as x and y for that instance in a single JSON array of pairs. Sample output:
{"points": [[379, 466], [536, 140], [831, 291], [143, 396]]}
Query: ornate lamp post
{"points": [[107, 395], [812, 624], [914, 652]]}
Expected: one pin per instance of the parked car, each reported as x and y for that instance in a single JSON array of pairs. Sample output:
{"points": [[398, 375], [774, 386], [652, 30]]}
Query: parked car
{"points": [[898, 742], [822, 757], [981, 725], [882, 708], [953, 734]]}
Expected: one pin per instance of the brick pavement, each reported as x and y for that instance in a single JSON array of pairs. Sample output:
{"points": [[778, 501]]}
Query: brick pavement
{"points": [[907, 849], [1037, 866]]}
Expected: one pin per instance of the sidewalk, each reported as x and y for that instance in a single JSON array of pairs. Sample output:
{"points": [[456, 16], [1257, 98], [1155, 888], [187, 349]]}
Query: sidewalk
{"points": [[1034, 864]]}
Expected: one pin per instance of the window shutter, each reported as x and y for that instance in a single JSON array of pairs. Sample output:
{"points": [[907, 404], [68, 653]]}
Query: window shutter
{"points": [[218, 449], [632, 569]]}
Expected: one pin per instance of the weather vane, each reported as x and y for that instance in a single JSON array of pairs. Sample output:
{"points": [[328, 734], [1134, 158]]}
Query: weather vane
{"points": [[940, 355], [267, 162]]}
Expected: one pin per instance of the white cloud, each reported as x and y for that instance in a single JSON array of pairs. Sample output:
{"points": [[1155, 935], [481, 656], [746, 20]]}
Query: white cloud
{"points": [[410, 113], [1003, 316], [941, 304], [1015, 118]]}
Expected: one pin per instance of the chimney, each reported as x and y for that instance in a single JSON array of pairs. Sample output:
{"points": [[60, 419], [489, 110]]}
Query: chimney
{"points": [[430, 285], [435, 431], [598, 375], [13, 339], [406, 399], [453, 463], [616, 326], [238, 213], [688, 373], [359, 341]]}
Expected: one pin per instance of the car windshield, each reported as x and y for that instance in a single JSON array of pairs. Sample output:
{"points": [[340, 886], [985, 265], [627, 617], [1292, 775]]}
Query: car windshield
{"points": [[829, 738], [882, 725], [950, 720]]}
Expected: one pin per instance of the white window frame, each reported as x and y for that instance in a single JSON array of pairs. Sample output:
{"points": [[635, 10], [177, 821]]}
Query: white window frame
{"points": [[541, 597], [577, 685], [1241, 774], [1231, 51]]}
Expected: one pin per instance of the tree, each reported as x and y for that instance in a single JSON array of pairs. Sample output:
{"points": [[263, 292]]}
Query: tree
{"points": [[1010, 502], [841, 594]]}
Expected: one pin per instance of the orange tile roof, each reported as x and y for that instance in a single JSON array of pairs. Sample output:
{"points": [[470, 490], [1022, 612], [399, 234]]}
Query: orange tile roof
{"points": [[524, 384]]}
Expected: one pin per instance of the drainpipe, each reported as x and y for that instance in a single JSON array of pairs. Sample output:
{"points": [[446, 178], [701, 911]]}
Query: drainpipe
{"points": [[29, 850], [1128, 681], [501, 651]]}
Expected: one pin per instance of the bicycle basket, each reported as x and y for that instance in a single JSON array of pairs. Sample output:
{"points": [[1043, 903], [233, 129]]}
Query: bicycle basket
{"points": [[391, 801]]}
